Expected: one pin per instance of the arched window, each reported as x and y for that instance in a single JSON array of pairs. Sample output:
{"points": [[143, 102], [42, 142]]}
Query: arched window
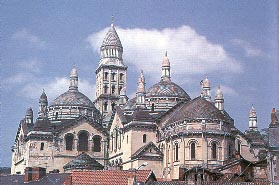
{"points": [[214, 151], [105, 89], [144, 138], [83, 141], [121, 76], [176, 152], [69, 138], [238, 147], [113, 76], [106, 76], [105, 106], [193, 151], [152, 107], [97, 143], [112, 106], [42, 146], [112, 89]]}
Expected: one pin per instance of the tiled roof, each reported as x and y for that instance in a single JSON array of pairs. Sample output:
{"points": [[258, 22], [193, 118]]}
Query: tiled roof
{"points": [[83, 161], [167, 89], [141, 115], [109, 177], [74, 98], [49, 179], [111, 38], [198, 108]]}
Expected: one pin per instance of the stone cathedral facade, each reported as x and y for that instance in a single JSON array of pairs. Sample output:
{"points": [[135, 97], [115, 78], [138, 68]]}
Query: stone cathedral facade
{"points": [[180, 137]]}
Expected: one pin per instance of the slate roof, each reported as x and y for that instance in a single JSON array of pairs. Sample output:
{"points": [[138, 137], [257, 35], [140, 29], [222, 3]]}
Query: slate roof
{"points": [[73, 98], [140, 115], [167, 89], [109, 177], [83, 162], [198, 108], [49, 179], [255, 138]]}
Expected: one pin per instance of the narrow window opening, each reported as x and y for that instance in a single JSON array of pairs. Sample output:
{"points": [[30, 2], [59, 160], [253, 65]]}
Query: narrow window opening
{"points": [[96, 143], [176, 151], [83, 142], [193, 151], [144, 138], [69, 141], [42, 146], [214, 150], [152, 107]]}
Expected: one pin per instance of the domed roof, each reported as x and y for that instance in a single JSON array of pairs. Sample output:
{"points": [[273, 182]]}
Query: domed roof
{"points": [[166, 61], [198, 108], [111, 38], [74, 98], [29, 112], [167, 88]]}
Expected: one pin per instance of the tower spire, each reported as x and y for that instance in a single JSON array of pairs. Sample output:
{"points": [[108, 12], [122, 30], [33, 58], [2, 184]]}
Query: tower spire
{"points": [[166, 68], [74, 80], [205, 89], [43, 103]]}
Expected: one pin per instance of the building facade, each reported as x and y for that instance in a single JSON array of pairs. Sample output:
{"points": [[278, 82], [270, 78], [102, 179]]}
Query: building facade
{"points": [[161, 125]]}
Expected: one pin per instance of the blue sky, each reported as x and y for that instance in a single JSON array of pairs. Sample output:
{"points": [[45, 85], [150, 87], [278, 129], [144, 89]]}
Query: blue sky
{"points": [[234, 44]]}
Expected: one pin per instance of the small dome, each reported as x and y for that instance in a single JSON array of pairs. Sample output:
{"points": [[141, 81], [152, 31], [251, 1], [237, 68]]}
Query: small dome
{"points": [[29, 112], [206, 82], [74, 72], [219, 94], [74, 98], [43, 98], [252, 112], [168, 89], [111, 38], [166, 61]]}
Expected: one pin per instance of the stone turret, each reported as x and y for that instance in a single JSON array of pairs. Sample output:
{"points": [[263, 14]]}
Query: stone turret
{"points": [[205, 89], [219, 99], [141, 91], [253, 119], [29, 116], [166, 68], [43, 103]]}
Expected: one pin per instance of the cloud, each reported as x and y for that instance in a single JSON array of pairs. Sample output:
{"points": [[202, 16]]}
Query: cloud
{"points": [[54, 88], [31, 65], [249, 49], [24, 35], [188, 51]]}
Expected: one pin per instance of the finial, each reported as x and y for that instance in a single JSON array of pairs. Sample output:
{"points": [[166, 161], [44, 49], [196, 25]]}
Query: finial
{"points": [[43, 90], [219, 87], [112, 20], [166, 54]]}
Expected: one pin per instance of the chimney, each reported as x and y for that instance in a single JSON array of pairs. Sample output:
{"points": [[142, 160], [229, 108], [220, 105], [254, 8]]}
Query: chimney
{"points": [[38, 173], [131, 177], [28, 174], [274, 118]]}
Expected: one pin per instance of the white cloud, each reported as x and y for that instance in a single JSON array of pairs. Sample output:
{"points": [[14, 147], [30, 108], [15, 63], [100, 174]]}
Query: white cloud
{"points": [[249, 49], [189, 52], [54, 88], [24, 35]]}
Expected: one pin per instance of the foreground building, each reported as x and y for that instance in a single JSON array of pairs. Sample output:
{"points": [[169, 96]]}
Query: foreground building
{"points": [[181, 138]]}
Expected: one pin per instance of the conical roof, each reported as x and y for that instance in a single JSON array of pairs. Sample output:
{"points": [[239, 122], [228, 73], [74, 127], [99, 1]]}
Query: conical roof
{"points": [[111, 38], [43, 98]]}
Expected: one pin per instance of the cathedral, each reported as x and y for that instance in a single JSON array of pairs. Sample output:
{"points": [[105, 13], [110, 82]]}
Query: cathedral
{"points": [[181, 138]]}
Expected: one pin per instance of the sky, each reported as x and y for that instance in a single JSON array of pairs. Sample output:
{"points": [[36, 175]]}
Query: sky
{"points": [[234, 43]]}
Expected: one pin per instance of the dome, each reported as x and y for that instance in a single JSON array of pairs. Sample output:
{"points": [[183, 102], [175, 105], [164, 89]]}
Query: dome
{"points": [[111, 38], [74, 98], [198, 108], [167, 88]]}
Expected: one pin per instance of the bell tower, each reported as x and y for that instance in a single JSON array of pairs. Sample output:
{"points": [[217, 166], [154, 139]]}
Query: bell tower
{"points": [[110, 74]]}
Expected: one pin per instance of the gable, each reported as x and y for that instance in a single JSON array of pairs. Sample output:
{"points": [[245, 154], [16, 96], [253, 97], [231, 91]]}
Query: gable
{"points": [[149, 151]]}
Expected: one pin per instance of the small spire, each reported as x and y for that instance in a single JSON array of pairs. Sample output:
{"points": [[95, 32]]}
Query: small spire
{"points": [[74, 79], [166, 54], [112, 20]]}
